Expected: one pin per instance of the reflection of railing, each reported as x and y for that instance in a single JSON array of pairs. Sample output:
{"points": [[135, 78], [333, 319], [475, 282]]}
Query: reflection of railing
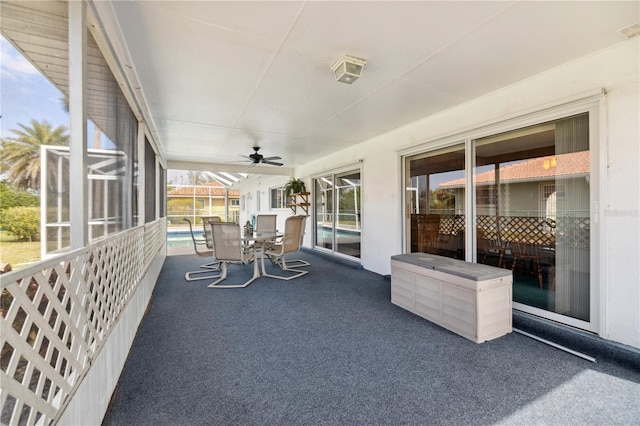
{"points": [[570, 231], [451, 224], [58, 315]]}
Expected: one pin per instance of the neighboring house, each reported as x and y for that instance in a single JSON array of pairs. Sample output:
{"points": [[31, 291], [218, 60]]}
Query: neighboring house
{"points": [[210, 199], [528, 187]]}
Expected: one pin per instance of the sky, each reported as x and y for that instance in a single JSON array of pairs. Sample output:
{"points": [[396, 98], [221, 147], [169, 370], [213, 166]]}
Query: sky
{"points": [[25, 93]]}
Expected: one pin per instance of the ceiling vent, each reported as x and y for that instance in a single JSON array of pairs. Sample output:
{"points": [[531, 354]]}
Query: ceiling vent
{"points": [[348, 68]]}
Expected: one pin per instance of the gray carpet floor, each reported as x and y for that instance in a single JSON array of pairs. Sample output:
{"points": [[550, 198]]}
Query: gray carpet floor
{"points": [[330, 349]]}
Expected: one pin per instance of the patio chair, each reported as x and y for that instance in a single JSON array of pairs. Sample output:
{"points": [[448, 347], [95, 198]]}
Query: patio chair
{"points": [[207, 229], [264, 223], [298, 263], [290, 243], [428, 229], [228, 247], [489, 244], [525, 251], [199, 245]]}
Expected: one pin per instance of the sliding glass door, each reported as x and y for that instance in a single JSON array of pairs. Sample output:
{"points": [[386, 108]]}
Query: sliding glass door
{"points": [[532, 212], [529, 193], [338, 215], [435, 199]]}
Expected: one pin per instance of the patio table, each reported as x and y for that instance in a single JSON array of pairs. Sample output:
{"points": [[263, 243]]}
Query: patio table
{"points": [[259, 237]]}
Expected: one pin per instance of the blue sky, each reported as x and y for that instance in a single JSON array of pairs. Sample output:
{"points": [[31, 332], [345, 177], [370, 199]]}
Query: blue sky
{"points": [[25, 93]]}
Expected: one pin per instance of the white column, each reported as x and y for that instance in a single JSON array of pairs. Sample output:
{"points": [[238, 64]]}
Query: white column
{"points": [[142, 172], [43, 202], [470, 205], [78, 124], [226, 205]]}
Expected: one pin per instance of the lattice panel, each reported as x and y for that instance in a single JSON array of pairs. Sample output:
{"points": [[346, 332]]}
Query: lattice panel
{"points": [[528, 230], [568, 231], [155, 237], [573, 231], [451, 225], [489, 227], [56, 316]]}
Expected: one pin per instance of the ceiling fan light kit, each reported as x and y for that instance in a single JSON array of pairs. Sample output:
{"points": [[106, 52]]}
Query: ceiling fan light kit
{"points": [[348, 69]]}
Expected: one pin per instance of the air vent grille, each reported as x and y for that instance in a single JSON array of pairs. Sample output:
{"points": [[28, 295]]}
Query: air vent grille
{"points": [[631, 31]]}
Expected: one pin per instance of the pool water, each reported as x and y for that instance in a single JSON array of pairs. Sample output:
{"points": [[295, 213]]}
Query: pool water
{"points": [[325, 232], [179, 238]]}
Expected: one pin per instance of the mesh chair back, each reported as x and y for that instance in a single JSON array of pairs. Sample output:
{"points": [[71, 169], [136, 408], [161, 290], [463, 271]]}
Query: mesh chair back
{"points": [[303, 226], [266, 223], [226, 241], [292, 234], [198, 242], [207, 228]]}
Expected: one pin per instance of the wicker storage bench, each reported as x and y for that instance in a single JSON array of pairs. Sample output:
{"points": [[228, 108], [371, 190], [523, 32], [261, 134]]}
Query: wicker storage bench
{"points": [[470, 299]]}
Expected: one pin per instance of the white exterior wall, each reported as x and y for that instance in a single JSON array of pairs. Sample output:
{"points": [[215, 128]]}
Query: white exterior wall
{"points": [[263, 184], [615, 70]]}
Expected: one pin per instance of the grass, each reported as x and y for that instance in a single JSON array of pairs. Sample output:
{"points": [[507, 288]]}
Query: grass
{"points": [[17, 253]]}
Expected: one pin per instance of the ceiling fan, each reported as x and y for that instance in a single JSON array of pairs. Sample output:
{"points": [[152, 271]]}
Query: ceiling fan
{"points": [[257, 158]]}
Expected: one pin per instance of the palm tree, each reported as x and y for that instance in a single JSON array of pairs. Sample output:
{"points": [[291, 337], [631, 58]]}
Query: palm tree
{"points": [[20, 155]]}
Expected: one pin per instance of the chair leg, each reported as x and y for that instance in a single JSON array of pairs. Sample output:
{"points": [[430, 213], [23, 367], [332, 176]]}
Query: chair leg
{"points": [[213, 265], [539, 270], [294, 263], [297, 263], [200, 275], [283, 265], [223, 276]]}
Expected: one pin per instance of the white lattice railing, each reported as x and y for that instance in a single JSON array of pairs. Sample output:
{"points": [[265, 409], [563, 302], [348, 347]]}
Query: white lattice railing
{"points": [[57, 315]]}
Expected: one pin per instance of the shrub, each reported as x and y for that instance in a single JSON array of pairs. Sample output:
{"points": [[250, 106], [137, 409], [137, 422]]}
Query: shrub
{"points": [[11, 198], [22, 222]]}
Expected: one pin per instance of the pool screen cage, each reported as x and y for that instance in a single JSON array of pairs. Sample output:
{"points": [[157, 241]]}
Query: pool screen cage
{"points": [[111, 207]]}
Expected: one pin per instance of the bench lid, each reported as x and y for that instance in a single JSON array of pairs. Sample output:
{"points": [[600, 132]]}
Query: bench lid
{"points": [[460, 268]]}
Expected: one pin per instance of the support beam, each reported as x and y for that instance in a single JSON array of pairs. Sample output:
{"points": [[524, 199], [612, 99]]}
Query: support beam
{"points": [[142, 172], [78, 198]]}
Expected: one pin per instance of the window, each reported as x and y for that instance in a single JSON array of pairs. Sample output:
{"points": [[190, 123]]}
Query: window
{"points": [[277, 198], [150, 182], [112, 131]]}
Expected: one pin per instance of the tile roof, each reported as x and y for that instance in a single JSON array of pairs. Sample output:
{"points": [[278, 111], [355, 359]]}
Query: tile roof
{"points": [[574, 163], [215, 189]]}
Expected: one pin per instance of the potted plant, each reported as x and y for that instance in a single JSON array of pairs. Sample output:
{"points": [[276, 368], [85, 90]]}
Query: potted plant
{"points": [[294, 186]]}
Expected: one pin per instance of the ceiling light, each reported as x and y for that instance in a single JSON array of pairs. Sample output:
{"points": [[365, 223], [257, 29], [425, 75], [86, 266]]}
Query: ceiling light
{"points": [[348, 68]]}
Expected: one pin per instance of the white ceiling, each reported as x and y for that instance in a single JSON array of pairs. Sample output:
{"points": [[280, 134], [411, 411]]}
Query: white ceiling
{"points": [[220, 77]]}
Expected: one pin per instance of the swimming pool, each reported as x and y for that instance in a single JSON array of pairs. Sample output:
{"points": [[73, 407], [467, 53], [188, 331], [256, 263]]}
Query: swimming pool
{"points": [[325, 232], [181, 238]]}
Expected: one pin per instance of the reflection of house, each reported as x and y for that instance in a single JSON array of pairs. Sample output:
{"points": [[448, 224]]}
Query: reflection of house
{"points": [[202, 200], [531, 187]]}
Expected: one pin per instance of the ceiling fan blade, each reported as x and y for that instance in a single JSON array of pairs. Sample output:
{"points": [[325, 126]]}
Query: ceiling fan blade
{"points": [[272, 158], [271, 162]]}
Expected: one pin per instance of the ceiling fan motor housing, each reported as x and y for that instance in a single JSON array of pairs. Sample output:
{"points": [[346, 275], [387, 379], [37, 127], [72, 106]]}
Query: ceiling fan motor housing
{"points": [[259, 158], [255, 156]]}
